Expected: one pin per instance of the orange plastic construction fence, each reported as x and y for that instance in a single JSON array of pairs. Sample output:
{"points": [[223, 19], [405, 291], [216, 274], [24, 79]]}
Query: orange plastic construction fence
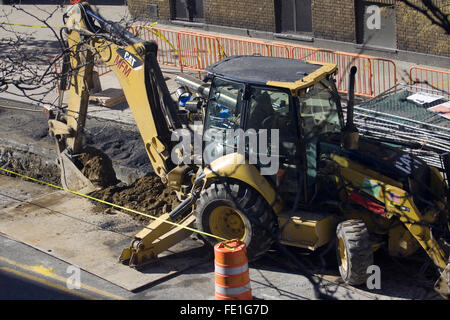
{"points": [[195, 51], [430, 78], [188, 50], [232, 280]]}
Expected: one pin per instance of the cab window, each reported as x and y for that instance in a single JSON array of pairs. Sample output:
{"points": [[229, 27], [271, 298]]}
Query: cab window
{"points": [[223, 113], [224, 105], [319, 110]]}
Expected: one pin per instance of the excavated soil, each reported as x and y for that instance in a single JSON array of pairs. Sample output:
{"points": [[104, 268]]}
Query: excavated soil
{"points": [[121, 143], [107, 144], [147, 194], [97, 167], [30, 165]]}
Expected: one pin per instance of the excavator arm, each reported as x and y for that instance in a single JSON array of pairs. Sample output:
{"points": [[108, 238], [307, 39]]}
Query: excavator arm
{"points": [[134, 62], [135, 65]]}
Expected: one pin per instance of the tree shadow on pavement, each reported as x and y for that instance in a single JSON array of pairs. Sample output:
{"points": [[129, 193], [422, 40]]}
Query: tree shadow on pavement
{"points": [[32, 51]]}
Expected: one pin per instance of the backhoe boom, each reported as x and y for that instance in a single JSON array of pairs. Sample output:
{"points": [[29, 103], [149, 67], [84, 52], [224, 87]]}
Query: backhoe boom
{"points": [[134, 62]]}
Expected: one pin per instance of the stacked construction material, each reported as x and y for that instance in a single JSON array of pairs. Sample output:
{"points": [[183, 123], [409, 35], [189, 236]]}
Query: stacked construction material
{"points": [[108, 98], [414, 118]]}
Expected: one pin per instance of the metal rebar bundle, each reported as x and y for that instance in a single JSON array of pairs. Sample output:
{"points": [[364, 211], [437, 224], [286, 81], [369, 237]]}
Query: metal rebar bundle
{"points": [[393, 118]]}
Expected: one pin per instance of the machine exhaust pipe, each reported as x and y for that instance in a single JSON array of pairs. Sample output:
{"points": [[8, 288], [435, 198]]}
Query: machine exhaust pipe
{"points": [[350, 137], [351, 97]]}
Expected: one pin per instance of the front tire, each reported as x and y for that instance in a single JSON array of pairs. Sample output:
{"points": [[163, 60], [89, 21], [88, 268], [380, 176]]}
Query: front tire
{"points": [[354, 251], [236, 211]]}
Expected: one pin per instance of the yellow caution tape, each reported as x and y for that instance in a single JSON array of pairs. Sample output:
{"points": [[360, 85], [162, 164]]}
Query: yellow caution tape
{"points": [[115, 205], [222, 54], [159, 35], [27, 25]]}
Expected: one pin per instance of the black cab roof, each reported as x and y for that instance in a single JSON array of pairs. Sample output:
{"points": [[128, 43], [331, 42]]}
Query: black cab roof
{"points": [[279, 72]]}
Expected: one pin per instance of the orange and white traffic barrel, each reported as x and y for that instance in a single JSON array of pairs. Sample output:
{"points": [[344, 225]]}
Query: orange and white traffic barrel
{"points": [[231, 271]]}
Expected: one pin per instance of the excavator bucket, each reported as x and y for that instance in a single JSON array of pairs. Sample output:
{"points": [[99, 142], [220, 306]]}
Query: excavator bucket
{"points": [[442, 285], [72, 178]]}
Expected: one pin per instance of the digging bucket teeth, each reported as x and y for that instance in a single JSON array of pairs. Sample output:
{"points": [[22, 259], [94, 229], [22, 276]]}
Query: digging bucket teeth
{"points": [[72, 178]]}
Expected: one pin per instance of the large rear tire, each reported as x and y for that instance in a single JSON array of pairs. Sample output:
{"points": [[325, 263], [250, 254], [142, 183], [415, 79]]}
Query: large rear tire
{"points": [[354, 251], [236, 211]]}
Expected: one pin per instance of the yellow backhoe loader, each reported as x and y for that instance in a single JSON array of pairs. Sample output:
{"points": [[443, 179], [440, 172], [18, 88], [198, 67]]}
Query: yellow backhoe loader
{"points": [[277, 161]]}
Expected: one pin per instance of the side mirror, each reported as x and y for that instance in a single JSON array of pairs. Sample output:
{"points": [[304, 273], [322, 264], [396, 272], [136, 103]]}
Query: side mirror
{"points": [[206, 78]]}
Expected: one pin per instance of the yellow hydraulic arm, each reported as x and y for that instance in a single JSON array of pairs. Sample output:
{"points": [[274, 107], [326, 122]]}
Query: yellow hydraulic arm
{"points": [[134, 63]]}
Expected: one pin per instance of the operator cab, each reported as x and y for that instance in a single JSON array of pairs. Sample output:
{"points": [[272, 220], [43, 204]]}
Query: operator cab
{"points": [[276, 108]]}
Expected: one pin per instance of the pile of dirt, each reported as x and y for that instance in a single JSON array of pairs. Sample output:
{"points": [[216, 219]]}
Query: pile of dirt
{"points": [[123, 144], [97, 167], [147, 194], [119, 144], [29, 164]]}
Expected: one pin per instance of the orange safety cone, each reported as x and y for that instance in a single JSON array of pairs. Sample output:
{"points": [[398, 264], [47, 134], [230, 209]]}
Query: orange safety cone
{"points": [[231, 271]]}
